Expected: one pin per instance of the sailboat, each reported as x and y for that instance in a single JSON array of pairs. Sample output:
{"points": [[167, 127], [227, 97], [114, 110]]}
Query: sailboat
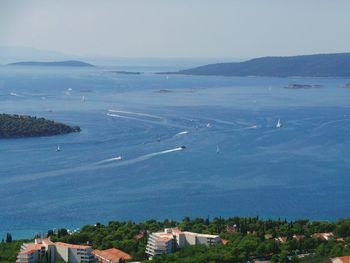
{"points": [[279, 124], [217, 148], [83, 98], [58, 148]]}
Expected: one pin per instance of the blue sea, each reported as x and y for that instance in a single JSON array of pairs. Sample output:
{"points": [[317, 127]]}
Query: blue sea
{"points": [[301, 170]]}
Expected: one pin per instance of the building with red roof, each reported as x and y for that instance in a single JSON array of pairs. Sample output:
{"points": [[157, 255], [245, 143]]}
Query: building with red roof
{"points": [[111, 255]]}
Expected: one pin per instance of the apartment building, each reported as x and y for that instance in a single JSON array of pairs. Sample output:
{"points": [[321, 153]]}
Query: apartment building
{"points": [[34, 252], [74, 253], [165, 242]]}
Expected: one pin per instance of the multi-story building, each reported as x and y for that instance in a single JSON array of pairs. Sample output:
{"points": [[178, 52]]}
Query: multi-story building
{"points": [[74, 253], [31, 252], [160, 243], [34, 252], [166, 242]]}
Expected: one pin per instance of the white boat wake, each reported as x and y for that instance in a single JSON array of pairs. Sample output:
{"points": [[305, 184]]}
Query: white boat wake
{"points": [[136, 113], [143, 157], [14, 94], [118, 158], [181, 133], [156, 121], [108, 163]]}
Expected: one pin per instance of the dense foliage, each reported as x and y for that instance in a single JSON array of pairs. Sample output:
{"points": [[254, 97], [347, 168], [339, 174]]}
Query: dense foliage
{"points": [[14, 126], [245, 239], [8, 251]]}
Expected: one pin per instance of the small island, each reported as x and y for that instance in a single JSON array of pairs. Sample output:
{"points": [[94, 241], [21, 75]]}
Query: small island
{"points": [[127, 72], [303, 86], [347, 85], [67, 63], [20, 126]]}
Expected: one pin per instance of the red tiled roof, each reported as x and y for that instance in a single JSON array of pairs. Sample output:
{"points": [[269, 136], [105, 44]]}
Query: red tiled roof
{"points": [[30, 248], [112, 254], [71, 245], [225, 241], [48, 241], [345, 259]]}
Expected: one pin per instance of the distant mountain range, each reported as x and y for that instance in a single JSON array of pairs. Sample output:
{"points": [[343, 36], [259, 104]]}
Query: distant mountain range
{"points": [[67, 63], [322, 65]]}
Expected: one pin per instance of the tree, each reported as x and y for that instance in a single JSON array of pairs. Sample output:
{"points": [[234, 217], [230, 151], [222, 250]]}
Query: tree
{"points": [[8, 238]]}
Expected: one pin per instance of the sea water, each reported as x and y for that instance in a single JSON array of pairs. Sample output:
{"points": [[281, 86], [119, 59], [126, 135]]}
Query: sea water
{"points": [[127, 162]]}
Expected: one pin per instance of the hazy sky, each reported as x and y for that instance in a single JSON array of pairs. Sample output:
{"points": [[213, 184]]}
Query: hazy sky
{"points": [[177, 28]]}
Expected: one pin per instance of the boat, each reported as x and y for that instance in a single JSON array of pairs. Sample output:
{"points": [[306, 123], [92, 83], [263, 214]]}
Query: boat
{"points": [[118, 158], [183, 147], [58, 148], [83, 98], [217, 149], [279, 124]]}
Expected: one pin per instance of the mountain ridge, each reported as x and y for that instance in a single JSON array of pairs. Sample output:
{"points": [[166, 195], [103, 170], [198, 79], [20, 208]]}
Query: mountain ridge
{"points": [[317, 65]]}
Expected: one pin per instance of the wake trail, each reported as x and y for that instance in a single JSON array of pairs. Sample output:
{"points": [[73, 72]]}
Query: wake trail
{"points": [[108, 163], [143, 157], [136, 113]]}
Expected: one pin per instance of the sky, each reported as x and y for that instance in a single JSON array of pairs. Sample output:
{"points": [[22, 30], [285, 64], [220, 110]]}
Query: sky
{"points": [[177, 28]]}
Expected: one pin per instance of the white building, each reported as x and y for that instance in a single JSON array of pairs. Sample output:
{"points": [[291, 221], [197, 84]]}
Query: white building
{"points": [[33, 252], [165, 242], [74, 253]]}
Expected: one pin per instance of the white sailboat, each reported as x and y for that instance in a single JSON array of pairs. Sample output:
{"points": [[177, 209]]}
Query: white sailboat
{"points": [[58, 148], [279, 124], [83, 98], [217, 148]]}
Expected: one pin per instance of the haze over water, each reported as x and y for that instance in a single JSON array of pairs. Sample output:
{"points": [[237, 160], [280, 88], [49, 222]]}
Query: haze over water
{"points": [[298, 171]]}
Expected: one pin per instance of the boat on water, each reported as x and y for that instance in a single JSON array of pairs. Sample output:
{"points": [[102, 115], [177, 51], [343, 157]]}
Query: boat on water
{"points": [[217, 149], [118, 158], [279, 124], [58, 149], [183, 147], [83, 98]]}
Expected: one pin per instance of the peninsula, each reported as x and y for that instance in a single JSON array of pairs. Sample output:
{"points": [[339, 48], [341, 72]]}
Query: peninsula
{"points": [[67, 63], [321, 65], [19, 126]]}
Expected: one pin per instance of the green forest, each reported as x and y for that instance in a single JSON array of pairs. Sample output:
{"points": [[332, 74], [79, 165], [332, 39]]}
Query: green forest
{"points": [[16, 126], [246, 239]]}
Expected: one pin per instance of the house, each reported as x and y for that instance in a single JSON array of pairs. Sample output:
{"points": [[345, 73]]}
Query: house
{"points": [[323, 236], [232, 229], [345, 259], [111, 255], [34, 252], [298, 237], [225, 241], [166, 242], [140, 235], [282, 239]]}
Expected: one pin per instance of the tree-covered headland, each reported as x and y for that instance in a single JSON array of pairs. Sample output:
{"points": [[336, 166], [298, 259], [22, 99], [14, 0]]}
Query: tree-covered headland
{"points": [[16, 126]]}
